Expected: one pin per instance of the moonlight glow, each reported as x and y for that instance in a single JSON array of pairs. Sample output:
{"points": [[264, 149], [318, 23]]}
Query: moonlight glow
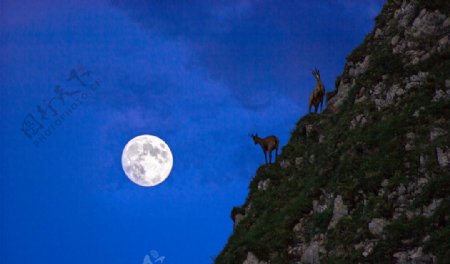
{"points": [[147, 160]]}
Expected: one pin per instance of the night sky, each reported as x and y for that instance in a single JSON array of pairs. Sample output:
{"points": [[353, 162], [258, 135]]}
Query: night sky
{"points": [[81, 78]]}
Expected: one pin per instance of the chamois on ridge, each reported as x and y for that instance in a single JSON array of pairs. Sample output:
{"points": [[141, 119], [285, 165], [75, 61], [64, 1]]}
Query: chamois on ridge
{"points": [[316, 98], [268, 144]]}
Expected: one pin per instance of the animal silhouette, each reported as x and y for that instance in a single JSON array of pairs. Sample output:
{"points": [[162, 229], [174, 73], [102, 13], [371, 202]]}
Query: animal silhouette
{"points": [[316, 98], [268, 144]]}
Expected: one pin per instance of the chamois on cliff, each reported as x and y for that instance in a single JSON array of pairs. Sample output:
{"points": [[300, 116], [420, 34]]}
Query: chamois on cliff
{"points": [[268, 144], [316, 98]]}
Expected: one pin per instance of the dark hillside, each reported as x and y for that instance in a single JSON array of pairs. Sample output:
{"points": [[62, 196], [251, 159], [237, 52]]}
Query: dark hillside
{"points": [[367, 180]]}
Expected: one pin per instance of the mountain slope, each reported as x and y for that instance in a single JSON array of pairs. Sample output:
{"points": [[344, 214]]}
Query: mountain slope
{"points": [[367, 180]]}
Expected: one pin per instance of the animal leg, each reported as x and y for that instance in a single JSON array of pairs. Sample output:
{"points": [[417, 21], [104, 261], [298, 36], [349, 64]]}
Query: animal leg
{"points": [[270, 157], [276, 155], [265, 157]]}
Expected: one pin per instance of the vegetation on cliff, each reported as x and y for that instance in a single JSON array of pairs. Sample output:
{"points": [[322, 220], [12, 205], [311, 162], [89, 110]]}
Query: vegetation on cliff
{"points": [[368, 179]]}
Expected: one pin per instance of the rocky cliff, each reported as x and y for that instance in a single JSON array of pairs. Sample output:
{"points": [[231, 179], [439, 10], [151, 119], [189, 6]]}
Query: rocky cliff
{"points": [[367, 180]]}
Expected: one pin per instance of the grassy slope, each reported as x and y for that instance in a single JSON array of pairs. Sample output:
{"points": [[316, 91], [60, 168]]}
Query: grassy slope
{"points": [[348, 161]]}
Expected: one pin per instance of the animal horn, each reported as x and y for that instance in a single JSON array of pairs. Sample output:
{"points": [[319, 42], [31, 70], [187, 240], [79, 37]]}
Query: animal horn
{"points": [[315, 72]]}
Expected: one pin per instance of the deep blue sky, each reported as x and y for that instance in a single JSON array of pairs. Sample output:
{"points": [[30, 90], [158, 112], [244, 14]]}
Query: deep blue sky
{"points": [[200, 75]]}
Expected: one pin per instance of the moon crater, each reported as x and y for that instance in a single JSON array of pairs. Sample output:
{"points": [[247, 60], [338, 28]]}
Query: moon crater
{"points": [[147, 160]]}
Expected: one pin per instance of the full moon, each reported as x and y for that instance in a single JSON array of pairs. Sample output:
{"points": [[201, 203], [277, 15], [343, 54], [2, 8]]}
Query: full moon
{"points": [[147, 160]]}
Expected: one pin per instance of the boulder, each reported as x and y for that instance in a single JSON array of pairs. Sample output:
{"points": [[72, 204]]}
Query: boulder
{"points": [[339, 210], [252, 259], [377, 225], [443, 156]]}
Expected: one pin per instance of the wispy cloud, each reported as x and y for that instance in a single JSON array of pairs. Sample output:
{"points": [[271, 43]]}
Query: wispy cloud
{"points": [[203, 75], [257, 49]]}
